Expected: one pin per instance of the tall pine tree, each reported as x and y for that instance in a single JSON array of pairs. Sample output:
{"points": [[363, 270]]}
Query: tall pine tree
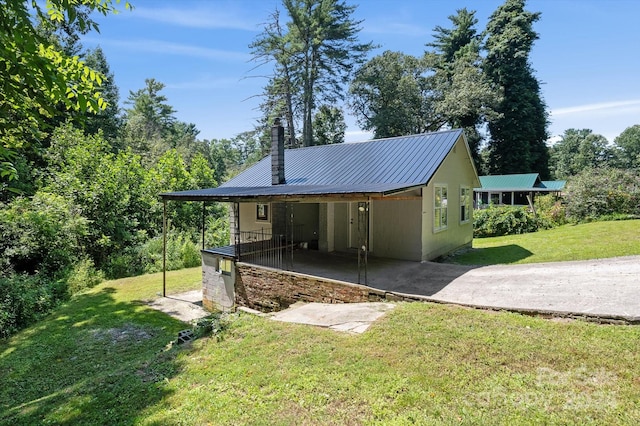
{"points": [[463, 96], [519, 133]]}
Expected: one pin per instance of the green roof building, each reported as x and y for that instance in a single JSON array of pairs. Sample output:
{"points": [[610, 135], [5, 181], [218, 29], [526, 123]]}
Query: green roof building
{"points": [[515, 189]]}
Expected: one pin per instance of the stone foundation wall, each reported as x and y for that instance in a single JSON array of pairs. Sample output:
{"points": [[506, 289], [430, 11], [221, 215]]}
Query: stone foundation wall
{"points": [[268, 290]]}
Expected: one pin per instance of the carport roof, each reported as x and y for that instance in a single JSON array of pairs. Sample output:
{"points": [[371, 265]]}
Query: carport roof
{"points": [[377, 167]]}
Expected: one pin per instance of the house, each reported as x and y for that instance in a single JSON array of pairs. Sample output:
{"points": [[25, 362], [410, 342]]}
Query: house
{"points": [[407, 197], [514, 189]]}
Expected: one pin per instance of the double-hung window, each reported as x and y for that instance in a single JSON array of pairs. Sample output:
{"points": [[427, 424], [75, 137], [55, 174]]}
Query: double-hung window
{"points": [[440, 208]]}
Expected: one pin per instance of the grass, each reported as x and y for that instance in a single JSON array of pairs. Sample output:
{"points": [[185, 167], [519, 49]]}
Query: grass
{"points": [[104, 358], [594, 240]]}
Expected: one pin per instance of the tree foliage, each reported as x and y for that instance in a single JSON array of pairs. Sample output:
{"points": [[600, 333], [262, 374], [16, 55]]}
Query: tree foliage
{"points": [[389, 95], [328, 125], [314, 55], [604, 192], [463, 96], [36, 76], [628, 144], [108, 120], [519, 132], [578, 150]]}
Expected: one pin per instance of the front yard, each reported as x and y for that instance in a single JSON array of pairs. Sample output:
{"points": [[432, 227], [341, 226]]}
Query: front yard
{"points": [[106, 358]]}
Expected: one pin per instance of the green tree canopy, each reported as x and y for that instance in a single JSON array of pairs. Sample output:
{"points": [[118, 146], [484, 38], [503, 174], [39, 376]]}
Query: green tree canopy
{"points": [[628, 144], [389, 96], [328, 125], [36, 76], [519, 131], [463, 96], [578, 150]]}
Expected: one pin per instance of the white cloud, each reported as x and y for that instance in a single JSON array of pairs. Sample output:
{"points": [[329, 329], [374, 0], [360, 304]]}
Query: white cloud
{"points": [[603, 107], [605, 118], [213, 18], [169, 48]]}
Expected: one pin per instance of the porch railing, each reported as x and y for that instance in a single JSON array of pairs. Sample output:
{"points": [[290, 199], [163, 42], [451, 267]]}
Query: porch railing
{"points": [[262, 247]]}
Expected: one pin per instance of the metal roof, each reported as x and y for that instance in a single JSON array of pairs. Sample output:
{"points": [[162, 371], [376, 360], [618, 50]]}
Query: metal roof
{"points": [[518, 182], [380, 166], [554, 185]]}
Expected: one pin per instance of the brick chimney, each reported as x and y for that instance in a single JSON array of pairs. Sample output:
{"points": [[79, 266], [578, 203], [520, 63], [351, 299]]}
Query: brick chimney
{"points": [[277, 153]]}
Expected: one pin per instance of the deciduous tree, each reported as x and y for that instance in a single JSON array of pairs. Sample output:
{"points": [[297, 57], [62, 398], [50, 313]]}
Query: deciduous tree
{"points": [[628, 147], [36, 76], [328, 125], [389, 95], [578, 150]]}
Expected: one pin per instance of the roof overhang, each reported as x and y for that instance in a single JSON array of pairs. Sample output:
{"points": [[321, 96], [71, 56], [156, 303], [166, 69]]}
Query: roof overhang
{"points": [[291, 193]]}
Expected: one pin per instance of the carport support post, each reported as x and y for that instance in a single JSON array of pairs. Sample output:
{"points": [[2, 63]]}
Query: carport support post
{"points": [[204, 203], [164, 248]]}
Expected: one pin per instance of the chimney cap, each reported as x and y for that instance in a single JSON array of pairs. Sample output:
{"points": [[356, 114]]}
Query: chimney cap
{"points": [[276, 121]]}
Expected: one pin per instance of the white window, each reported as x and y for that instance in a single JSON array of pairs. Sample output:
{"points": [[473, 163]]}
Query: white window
{"points": [[440, 208], [465, 204]]}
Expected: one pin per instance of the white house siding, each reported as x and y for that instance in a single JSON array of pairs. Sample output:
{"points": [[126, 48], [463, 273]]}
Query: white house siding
{"points": [[396, 229], [456, 171]]}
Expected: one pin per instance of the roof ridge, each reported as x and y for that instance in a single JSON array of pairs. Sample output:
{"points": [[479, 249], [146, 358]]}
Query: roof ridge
{"points": [[368, 141]]}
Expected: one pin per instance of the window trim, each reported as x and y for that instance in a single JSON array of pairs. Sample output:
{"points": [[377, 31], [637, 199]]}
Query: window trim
{"points": [[467, 205], [438, 210]]}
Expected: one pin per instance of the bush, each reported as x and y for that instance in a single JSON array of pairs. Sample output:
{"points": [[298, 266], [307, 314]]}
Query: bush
{"points": [[43, 233], [83, 275], [504, 220], [551, 212], [128, 262], [24, 299], [596, 193], [182, 252]]}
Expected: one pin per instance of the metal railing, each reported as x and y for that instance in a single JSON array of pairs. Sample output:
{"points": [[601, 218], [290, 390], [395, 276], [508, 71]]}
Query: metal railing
{"points": [[262, 247]]}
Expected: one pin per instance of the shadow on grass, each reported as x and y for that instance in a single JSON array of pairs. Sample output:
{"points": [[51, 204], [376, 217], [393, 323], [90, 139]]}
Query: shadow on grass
{"points": [[94, 360], [511, 253]]}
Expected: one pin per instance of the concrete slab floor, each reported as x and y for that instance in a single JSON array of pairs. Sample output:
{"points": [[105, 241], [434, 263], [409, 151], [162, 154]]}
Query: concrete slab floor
{"points": [[184, 306], [350, 317]]}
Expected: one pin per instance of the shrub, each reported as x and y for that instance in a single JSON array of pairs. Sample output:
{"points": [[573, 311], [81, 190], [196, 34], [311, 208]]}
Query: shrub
{"points": [[182, 252], [43, 233], [24, 299], [504, 220], [596, 193], [128, 262], [83, 275], [551, 212]]}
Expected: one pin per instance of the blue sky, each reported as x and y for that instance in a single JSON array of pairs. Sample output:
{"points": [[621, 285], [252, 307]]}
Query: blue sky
{"points": [[586, 57]]}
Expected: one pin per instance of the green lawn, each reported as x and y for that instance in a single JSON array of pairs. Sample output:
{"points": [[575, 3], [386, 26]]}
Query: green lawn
{"points": [[594, 240], [105, 358]]}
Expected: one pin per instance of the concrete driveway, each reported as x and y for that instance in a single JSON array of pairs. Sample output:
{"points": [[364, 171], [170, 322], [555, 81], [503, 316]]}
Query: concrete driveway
{"points": [[604, 288]]}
